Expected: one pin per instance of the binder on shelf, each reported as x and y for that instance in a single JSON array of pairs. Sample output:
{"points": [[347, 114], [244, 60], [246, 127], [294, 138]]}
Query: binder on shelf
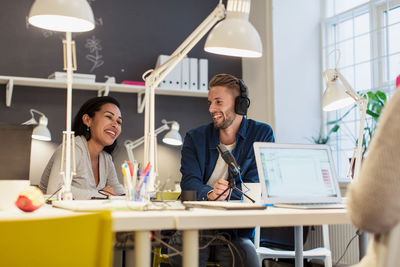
{"points": [[203, 74], [185, 70], [193, 77], [173, 79]]}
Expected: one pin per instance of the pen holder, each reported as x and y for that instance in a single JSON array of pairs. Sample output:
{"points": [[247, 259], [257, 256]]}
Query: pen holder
{"points": [[129, 192], [142, 194]]}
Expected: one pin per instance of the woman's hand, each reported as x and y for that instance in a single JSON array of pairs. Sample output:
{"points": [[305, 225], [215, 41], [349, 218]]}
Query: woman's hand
{"points": [[220, 186], [108, 190]]}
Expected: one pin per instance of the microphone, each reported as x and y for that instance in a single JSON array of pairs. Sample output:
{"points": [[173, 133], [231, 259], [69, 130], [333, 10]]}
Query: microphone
{"points": [[228, 158]]}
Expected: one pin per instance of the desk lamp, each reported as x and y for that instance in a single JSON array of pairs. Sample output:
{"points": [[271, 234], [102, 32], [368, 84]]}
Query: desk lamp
{"points": [[40, 132], [339, 94], [172, 138], [65, 16], [234, 36]]}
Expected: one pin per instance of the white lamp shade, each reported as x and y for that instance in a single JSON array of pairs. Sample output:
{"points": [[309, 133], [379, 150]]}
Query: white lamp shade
{"points": [[173, 138], [41, 133], [234, 37], [335, 97], [62, 15]]}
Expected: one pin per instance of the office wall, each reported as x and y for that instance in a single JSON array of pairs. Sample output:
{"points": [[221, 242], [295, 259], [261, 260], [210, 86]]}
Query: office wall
{"points": [[285, 82], [259, 72], [129, 36], [297, 72]]}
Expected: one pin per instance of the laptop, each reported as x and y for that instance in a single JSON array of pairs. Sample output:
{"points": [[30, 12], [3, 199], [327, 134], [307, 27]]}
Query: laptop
{"points": [[297, 176]]}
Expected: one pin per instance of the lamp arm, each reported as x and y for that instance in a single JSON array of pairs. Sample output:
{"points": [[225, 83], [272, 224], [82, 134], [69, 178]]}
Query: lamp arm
{"points": [[362, 105], [154, 77], [349, 90], [131, 145], [32, 110]]}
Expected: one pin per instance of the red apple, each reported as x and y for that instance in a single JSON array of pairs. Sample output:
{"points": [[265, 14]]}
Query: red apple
{"points": [[30, 199]]}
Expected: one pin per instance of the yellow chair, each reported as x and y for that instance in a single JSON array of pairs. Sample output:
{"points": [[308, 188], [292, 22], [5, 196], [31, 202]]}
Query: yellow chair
{"points": [[82, 240]]}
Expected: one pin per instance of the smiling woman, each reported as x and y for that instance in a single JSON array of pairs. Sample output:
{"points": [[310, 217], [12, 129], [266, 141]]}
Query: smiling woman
{"points": [[97, 127]]}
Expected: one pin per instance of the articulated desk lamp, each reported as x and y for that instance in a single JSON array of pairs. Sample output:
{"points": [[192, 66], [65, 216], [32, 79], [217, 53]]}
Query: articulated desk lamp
{"points": [[340, 95], [234, 36], [172, 138], [65, 16], [40, 132]]}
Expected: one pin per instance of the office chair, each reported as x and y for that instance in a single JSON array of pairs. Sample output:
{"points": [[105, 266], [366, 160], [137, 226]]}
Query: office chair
{"points": [[322, 253], [82, 240], [388, 252]]}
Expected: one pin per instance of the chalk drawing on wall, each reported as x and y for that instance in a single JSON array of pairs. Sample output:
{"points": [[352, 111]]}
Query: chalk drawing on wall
{"points": [[93, 44]]}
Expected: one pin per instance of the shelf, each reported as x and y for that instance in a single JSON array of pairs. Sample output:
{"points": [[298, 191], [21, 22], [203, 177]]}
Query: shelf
{"points": [[101, 88]]}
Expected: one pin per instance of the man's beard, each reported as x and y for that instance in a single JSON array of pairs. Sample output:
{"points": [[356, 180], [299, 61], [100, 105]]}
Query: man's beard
{"points": [[226, 123]]}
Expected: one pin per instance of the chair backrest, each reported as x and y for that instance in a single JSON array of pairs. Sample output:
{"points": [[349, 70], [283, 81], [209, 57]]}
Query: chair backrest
{"points": [[389, 248], [280, 237], [82, 240], [15, 151]]}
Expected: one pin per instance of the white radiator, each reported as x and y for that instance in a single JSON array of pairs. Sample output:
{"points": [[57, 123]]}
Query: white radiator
{"points": [[339, 236]]}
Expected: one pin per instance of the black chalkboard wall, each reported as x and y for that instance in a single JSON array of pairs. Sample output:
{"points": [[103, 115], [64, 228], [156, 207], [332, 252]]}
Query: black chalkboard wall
{"points": [[129, 36]]}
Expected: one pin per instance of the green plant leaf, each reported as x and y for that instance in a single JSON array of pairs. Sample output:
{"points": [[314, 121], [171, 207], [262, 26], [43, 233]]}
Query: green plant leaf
{"points": [[343, 116], [381, 97]]}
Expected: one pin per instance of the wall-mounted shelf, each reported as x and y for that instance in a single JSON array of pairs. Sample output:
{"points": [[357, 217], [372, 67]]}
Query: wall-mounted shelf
{"points": [[101, 88]]}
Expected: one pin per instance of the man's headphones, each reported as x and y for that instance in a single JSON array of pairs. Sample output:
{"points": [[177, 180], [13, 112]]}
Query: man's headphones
{"points": [[242, 102]]}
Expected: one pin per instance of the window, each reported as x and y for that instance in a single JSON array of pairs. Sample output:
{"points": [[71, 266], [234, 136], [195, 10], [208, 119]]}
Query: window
{"points": [[367, 34]]}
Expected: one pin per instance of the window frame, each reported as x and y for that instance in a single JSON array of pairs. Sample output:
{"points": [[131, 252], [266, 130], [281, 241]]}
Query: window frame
{"points": [[378, 63]]}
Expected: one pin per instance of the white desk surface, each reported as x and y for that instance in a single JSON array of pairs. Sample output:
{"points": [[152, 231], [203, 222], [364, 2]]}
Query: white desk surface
{"points": [[219, 219], [198, 218]]}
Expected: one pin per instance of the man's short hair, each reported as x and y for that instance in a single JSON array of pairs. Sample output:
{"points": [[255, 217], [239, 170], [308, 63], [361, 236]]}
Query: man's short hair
{"points": [[226, 80]]}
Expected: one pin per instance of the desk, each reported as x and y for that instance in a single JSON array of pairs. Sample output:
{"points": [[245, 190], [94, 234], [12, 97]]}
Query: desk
{"points": [[197, 219], [142, 222]]}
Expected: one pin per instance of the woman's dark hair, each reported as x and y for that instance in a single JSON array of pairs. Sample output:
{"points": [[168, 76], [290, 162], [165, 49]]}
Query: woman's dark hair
{"points": [[90, 107]]}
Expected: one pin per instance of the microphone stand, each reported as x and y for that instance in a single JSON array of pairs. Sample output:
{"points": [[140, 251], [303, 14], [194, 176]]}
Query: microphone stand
{"points": [[231, 187]]}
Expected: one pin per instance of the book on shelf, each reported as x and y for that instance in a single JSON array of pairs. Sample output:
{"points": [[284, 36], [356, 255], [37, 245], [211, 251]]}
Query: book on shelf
{"points": [[134, 83], [76, 77]]}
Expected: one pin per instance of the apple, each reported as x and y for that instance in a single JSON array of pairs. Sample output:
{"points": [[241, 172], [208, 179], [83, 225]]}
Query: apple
{"points": [[30, 199]]}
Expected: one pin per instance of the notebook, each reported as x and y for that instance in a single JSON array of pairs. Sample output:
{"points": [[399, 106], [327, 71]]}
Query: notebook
{"points": [[297, 176], [95, 205], [224, 205]]}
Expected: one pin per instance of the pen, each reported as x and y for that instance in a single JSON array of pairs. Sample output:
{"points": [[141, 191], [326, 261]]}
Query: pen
{"points": [[127, 174]]}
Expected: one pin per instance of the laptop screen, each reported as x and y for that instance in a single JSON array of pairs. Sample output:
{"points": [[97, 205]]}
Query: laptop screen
{"points": [[296, 173]]}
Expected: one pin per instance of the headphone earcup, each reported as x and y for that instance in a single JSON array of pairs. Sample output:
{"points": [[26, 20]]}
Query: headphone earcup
{"points": [[241, 105], [242, 102]]}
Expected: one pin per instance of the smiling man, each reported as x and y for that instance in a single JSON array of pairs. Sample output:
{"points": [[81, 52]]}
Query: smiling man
{"points": [[204, 170]]}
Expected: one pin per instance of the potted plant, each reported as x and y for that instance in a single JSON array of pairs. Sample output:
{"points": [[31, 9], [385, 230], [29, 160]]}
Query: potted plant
{"points": [[321, 139]]}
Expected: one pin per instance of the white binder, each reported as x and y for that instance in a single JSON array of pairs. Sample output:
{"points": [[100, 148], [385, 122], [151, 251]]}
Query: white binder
{"points": [[203, 74], [185, 71], [173, 79], [193, 66]]}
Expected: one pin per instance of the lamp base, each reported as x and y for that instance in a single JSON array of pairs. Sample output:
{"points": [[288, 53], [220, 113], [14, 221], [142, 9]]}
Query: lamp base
{"points": [[63, 195]]}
